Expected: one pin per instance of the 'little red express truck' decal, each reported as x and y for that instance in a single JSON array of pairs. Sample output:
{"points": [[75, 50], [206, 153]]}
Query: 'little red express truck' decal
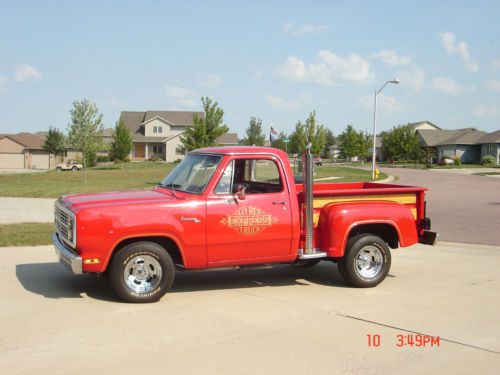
{"points": [[249, 220]]}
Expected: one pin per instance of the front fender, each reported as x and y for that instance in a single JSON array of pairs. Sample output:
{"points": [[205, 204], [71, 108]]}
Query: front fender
{"points": [[337, 220]]}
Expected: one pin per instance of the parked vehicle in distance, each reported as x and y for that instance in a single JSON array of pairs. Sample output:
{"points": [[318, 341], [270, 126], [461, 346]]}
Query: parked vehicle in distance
{"points": [[69, 165], [318, 161], [236, 207]]}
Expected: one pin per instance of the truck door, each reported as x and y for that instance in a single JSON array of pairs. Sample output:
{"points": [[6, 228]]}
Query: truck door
{"points": [[255, 226]]}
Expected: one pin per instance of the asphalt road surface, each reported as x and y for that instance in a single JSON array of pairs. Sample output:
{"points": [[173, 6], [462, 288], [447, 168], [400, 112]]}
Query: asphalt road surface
{"points": [[268, 321], [463, 208]]}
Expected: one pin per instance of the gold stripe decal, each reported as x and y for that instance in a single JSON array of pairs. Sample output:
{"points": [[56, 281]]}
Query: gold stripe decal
{"points": [[399, 198]]}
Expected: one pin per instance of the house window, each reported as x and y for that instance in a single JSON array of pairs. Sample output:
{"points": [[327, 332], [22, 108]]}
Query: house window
{"points": [[160, 129], [157, 149], [155, 129], [179, 150]]}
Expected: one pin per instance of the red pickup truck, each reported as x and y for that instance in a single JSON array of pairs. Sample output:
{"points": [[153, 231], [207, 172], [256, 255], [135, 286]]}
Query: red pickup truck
{"points": [[236, 207]]}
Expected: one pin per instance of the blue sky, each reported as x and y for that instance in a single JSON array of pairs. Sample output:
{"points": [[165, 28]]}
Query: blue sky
{"points": [[277, 61]]}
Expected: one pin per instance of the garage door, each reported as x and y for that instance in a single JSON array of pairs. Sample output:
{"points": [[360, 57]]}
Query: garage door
{"points": [[11, 160], [39, 161]]}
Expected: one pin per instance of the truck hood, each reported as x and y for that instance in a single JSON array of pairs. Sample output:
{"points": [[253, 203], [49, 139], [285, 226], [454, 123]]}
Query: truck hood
{"points": [[80, 201]]}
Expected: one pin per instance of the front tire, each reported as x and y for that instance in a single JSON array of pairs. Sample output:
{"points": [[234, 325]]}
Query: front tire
{"points": [[366, 262], [142, 272]]}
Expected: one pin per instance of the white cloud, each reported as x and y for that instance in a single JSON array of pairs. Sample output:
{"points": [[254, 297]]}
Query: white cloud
{"points": [[280, 103], [212, 80], [414, 79], [26, 72], [495, 63], [384, 103], [391, 58], [451, 46], [446, 85], [486, 111], [330, 70], [182, 96], [290, 28], [494, 85]]}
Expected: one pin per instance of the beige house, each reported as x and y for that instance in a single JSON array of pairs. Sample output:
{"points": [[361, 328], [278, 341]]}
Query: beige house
{"points": [[157, 133], [24, 151]]}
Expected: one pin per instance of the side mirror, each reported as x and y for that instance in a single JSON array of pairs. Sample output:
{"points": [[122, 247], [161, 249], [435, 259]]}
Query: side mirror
{"points": [[240, 191]]}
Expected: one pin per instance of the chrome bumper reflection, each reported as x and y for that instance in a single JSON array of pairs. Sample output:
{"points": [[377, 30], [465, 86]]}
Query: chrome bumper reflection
{"points": [[67, 257]]}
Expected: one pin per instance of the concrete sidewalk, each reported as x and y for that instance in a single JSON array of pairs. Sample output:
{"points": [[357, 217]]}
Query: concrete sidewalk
{"points": [[26, 210]]}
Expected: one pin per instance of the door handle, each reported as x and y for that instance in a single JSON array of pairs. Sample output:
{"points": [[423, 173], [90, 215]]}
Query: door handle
{"points": [[193, 219], [280, 202]]}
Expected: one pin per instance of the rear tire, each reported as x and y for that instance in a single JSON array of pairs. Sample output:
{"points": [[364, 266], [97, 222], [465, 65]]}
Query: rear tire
{"points": [[142, 272], [74, 168], [366, 262]]}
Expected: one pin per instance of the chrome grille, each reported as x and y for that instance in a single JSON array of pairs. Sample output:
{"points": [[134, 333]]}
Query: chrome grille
{"points": [[65, 223]]}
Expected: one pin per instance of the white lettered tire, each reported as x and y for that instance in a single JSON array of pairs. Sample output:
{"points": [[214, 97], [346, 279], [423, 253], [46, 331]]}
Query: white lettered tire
{"points": [[142, 272], [366, 262]]}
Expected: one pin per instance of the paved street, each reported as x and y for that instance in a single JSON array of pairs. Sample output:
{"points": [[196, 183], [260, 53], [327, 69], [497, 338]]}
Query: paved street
{"points": [[463, 208], [271, 321], [24, 210]]}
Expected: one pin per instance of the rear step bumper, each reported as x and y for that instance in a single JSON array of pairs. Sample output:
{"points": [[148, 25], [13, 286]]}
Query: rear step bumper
{"points": [[428, 238]]}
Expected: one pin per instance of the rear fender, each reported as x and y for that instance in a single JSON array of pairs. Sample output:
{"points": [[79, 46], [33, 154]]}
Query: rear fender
{"points": [[338, 220]]}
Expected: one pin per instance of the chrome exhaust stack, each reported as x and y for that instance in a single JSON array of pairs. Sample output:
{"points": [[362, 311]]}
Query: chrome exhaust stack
{"points": [[309, 252], [307, 181]]}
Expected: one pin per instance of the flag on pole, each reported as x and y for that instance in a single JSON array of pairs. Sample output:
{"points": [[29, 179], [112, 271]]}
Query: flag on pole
{"points": [[272, 136]]}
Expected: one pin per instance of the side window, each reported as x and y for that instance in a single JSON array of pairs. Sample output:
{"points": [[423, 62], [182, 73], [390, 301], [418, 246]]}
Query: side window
{"points": [[266, 171], [226, 181]]}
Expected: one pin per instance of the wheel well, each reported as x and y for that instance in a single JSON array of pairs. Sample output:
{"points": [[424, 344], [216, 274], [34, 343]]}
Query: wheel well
{"points": [[385, 231], [169, 245]]}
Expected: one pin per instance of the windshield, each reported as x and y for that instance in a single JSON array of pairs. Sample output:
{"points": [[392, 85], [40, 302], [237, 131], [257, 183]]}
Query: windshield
{"points": [[192, 174]]}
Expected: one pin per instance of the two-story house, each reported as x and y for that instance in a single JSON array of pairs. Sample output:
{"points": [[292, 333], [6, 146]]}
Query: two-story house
{"points": [[157, 133]]}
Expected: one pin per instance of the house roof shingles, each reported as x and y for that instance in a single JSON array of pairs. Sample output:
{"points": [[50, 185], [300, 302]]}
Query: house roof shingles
{"points": [[134, 120], [228, 139], [467, 136], [28, 140], [493, 137]]}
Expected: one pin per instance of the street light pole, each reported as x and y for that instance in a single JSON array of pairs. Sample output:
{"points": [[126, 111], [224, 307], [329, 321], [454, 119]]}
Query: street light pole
{"points": [[374, 154]]}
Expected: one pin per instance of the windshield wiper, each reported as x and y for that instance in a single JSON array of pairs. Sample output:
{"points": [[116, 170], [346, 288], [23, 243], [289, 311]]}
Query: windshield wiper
{"points": [[172, 185]]}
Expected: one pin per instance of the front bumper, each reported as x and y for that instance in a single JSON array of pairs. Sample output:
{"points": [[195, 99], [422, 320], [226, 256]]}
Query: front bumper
{"points": [[67, 257]]}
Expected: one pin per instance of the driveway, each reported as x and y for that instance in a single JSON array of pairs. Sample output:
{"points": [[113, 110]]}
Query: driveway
{"points": [[463, 208], [268, 321], [24, 210]]}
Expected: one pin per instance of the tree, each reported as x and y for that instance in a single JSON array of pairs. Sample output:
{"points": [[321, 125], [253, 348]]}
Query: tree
{"points": [[401, 142], [122, 142], [205, 130], [254, 133], [365, 144], [349, 142], [298, 139], [280, 142], [85, 131], [316, 134], [330, 141], [55, 142]]}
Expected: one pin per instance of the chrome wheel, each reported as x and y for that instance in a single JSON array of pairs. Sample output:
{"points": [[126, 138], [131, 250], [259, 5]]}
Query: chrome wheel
{"points": [[142, 274], [369, 262]]}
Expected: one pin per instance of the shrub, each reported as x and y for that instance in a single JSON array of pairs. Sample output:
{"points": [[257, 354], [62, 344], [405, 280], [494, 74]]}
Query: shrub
{"points": [[488, 160], [154, 158], [103, 158], [456, 160], [177, 161]]}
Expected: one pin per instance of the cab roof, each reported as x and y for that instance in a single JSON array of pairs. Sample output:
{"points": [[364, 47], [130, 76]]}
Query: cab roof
{"points": [[237, 150]]}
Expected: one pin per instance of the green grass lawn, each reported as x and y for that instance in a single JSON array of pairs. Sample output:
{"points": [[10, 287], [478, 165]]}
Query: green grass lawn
{"points": [[127, 176], [26, 234]]}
